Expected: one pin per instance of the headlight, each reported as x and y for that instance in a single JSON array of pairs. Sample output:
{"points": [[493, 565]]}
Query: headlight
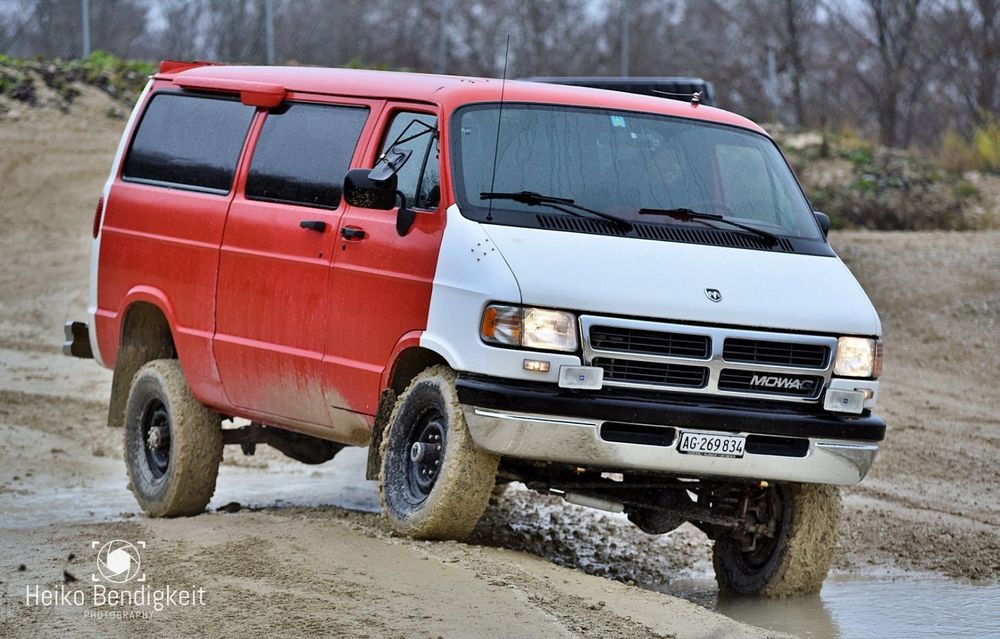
{"points": [[529, 327], [858, 357]]}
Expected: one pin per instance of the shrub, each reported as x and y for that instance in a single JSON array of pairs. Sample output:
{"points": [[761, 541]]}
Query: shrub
{"points": [[980, 152]]}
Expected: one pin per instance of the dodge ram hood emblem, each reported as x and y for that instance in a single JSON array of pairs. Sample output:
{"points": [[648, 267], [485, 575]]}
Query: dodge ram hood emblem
{"points": [[713, 294]]}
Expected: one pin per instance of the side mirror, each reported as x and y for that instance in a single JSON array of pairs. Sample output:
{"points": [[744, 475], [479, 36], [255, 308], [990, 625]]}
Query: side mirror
{"points": [[390, 164], [824, 222], [362, 191]]}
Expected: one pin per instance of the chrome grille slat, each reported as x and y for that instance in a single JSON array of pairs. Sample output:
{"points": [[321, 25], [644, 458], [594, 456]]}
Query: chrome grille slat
{"points": [[624, 370], [627, 340], [776, 353], [659, 356]]}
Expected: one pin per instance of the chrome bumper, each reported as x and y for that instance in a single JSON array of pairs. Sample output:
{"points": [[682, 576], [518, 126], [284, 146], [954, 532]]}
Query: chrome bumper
{"points": [[577, 441]]}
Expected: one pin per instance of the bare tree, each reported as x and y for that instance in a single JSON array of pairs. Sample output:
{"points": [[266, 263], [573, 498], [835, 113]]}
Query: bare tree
{"points": [[119, 26], [888, 68], [181, 34], [972, 62]]}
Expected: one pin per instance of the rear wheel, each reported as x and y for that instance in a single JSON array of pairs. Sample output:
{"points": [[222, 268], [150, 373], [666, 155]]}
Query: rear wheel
{"points": [[795, 557], [173, 443], [434, 483]]}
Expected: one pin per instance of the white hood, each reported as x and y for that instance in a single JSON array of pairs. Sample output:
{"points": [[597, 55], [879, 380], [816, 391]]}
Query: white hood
{"points": [[667, 281]]}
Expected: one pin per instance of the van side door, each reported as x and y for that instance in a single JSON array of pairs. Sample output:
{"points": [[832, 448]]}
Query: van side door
{"points": [[381, 284], [275, 258]]}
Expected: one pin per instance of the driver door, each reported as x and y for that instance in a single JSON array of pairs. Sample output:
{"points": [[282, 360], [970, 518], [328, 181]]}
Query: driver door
{"points": [[381, 284]]}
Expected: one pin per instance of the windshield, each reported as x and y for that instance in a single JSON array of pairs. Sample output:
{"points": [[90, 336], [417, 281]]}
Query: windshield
{"points": [[620, 162]]}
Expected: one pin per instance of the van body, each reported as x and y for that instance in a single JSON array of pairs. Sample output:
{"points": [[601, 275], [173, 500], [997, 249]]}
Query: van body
{"points": [[593, 290]]}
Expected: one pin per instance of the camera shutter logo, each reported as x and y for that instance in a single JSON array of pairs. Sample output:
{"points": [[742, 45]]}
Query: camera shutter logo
{"points": [[118, 561]]}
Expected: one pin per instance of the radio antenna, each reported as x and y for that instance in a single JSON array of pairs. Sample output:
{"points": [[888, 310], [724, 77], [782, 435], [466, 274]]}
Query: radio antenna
{"points": [[496, 148]]}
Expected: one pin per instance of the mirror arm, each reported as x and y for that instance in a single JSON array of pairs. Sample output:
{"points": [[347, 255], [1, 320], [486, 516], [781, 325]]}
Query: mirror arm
{"points": [[404, 216]]}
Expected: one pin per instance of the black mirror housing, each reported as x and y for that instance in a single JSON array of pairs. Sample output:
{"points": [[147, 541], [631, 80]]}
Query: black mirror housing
{"points": [[361, 191], [824, 221], [390, 164]]}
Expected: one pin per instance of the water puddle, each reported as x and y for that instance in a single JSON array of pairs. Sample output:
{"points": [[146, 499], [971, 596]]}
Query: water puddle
{"points": [[96, 490], [853, 607]]}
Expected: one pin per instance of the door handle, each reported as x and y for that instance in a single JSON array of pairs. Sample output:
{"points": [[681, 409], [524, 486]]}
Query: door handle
{"points": [[352, 233], [313, 225]]}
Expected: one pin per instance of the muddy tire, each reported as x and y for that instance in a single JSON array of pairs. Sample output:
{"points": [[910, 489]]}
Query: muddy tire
{"points": [[797, 559], [433, 483], [173, 443]]}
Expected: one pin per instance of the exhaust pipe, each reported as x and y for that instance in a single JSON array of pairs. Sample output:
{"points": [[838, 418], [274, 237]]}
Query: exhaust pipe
{"points": [[590, 501]]}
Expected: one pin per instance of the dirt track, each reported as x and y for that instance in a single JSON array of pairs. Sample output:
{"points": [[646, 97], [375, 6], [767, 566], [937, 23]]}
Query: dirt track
{"points": [[306, 565]]}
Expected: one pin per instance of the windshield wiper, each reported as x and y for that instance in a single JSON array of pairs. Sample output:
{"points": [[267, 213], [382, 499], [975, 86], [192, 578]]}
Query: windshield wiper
{"points": [[690, 214], [564, 204]]}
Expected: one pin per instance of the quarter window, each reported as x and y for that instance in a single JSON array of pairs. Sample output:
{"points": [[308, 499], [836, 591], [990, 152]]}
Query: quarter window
{"points": [[189, 142], [419, 179], [303, 153]]}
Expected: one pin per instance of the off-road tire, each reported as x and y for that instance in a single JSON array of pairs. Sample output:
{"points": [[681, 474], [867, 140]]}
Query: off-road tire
{"points": [[807, 537], [186, 484], [464, 482]]}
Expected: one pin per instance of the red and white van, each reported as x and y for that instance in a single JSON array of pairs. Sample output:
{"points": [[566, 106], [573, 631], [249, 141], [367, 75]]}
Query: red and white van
{"points": [[621, 299]]}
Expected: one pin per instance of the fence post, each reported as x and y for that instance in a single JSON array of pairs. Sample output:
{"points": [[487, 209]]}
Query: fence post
{"points": [[269, 29], [624, 51], [85, 26]]}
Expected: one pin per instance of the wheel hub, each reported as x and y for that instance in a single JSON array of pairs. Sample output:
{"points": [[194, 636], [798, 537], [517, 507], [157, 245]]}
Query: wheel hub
{"points": [[156, 436], [426, 454]]}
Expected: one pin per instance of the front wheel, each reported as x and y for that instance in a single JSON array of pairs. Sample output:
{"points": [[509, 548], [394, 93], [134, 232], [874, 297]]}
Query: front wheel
{"points": [[173, 443], [434, 483], [795, 558]]}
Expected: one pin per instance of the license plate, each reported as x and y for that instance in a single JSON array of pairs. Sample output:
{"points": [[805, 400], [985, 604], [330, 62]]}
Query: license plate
{"points": [[712, 445]]}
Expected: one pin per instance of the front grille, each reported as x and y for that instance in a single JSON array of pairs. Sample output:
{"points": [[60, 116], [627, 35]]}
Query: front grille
{"points": [[708, 360], [620, 370], [770, 383], [777, 353], [633, 340]]}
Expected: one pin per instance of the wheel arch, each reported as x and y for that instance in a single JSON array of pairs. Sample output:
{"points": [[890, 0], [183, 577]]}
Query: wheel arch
{"points": [[408, 359], [145, 334]]}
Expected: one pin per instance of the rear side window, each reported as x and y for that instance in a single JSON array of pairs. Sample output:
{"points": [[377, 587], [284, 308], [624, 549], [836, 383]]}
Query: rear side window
{"points": [[303, 153], [189, 142]]}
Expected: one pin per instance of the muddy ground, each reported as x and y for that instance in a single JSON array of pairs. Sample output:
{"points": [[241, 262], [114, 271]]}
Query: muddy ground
{"points": [[305, 553]]}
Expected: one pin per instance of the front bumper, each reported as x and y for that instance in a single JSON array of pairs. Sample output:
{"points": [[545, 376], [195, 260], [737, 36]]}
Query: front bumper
{"points": [[544, 423]]}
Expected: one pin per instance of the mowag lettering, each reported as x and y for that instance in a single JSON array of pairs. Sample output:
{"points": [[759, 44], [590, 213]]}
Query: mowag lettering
{"points": [[774, 381]]}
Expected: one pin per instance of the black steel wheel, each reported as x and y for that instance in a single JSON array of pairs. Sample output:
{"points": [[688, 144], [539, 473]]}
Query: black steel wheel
{"points": [[433, 483], [426, 452], [155, 425], [794, 558], [173, 443]]}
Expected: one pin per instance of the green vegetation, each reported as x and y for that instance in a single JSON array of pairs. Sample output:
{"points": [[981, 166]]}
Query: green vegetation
{"points": [[978, 152], [862, 185], [21, 80]]}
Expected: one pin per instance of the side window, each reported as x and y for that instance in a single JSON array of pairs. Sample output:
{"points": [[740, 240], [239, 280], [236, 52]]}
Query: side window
{"points": [[189, 141], [419, 179], [303, 153]]}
